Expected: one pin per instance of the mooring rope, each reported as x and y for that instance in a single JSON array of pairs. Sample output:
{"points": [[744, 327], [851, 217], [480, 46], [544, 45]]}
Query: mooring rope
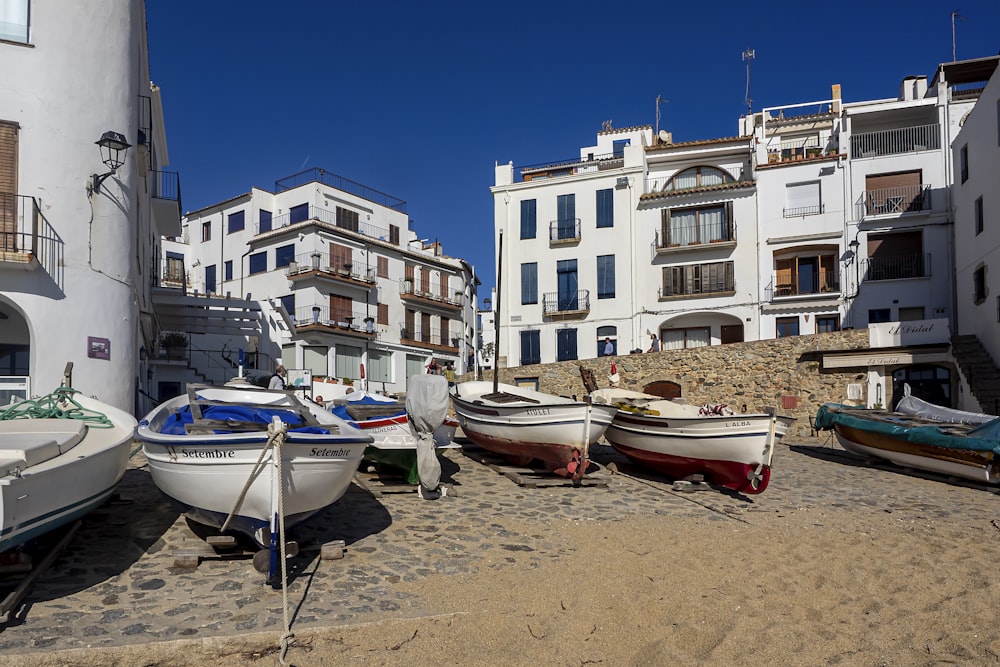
{"points": [[286, 637], [253, 475], [60, 404]]}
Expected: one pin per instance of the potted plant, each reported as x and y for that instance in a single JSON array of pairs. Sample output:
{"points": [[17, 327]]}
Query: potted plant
{"points": [[175, 344]]}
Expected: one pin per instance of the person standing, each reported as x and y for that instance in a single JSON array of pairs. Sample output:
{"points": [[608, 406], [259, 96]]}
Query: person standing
{"points": [[432, 368], [449, 374], [654, 343], [278, 379], [609, 348]]}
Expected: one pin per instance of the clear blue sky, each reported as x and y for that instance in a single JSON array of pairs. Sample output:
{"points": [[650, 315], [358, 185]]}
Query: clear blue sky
{"points": [[419, 100]]}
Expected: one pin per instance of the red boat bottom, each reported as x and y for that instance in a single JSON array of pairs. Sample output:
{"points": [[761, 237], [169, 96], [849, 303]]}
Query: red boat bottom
{"points": [[742, 477]]}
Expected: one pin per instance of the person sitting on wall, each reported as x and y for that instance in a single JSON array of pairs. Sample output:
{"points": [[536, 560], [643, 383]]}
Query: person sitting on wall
{"points": [[278, 379], [654, 343]]}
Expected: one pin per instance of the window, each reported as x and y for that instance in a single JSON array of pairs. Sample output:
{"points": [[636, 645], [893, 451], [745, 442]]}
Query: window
{"points": [[787, 326], [341, 258], [963, 161], [876, 315], [298, 213], [566, 345], [529, 283], [174, 270], [379, 366], [678, 339], [568, 285], [528, 219], [692, 279], [911, 313], [605, 208], [827, 323], [802, 199], [314, 359], [264, 221], [284, 255], [979, 216], [806, 270], [895, 256], [235, 222], [14, 21], [227, 270], [610, 333], [383, 313], [341, 307], [210, 286], [206, 231], [895, 193], [348, 362], [618, 146], [394, 234], [979, 285], [347, 219], [288, 301], [697, 177], [530, 353], [258, 262], [605, 276], [680, 227], [566, 217], [382, 267]]}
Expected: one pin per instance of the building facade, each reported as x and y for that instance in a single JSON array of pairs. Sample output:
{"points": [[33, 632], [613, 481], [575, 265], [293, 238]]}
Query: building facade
{"points": [[84, 199], [346, 288]]}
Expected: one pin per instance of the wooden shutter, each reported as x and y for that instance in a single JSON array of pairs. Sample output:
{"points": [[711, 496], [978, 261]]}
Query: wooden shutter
{"points": [[425, 280], [444, 285], [340, 257], [665, 228], [383, 267], [8, 185], [340, 308], [383, 313]]}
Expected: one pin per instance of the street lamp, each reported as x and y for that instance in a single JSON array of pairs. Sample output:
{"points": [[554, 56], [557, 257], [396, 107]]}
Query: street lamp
{"points": [[113, 149]]}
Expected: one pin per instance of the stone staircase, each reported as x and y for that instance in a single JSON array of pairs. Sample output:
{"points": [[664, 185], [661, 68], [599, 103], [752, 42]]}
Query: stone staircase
{"points": [[980, 371]]}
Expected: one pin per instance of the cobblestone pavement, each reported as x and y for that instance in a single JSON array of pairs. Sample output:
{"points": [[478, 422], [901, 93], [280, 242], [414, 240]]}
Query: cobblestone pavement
{"points": [[116, 583]]}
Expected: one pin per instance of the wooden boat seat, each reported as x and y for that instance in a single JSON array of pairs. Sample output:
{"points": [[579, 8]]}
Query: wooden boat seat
{"points": [[363, 411], [28, 442]]}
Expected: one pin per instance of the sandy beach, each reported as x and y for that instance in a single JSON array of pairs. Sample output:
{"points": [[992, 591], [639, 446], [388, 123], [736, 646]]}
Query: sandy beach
{"points": [[836, 563]]}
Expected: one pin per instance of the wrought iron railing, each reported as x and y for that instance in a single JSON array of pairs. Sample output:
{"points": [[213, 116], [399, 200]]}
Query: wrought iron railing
{"points": [[344, 184], [167, 185], [815, 209], [561, 302], [342, 318], [428, 335], [329, 217], [317, 261], [564, 230], [677, 236], [893, 142], [897, 267], [785, 283], [569, 166], [409, 287], [894, 201]]}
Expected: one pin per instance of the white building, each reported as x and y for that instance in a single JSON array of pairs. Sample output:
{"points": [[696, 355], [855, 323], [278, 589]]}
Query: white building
{"points": [[80, 223], [346, 287], [819, 216], [976, 159]]}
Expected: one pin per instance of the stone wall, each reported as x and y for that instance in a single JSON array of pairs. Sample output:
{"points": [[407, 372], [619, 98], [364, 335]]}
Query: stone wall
{"points": [[785, 373]]}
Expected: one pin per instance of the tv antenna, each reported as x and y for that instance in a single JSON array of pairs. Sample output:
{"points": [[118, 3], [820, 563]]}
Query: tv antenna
{"points": [[659, 101], [748, 55], [954, 15]]}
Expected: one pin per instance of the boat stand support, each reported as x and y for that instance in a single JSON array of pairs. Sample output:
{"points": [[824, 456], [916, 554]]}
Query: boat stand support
{"points": [[14, 598]]}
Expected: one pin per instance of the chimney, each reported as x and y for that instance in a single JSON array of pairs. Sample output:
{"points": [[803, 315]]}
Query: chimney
{"points": [[835, 95], [920, 88], [906, 89]]}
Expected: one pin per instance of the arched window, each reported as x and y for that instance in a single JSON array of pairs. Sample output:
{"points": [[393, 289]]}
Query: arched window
{"points": [[697, 177]]}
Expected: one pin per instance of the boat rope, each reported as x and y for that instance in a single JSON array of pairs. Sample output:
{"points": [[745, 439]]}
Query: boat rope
{"points": [[60, 404], [253, 475], [277, 436]]}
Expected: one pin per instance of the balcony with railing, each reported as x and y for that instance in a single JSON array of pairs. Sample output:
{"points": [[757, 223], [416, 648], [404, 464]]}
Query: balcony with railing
{"points": [[317, 175], [320, 318], [566, 303], [328, 217], [800, 149], [897, 141], [896, 267], [801, 211], [428, 337], [26, 240], [165, 191], [694, 237], [172, 274], [894, 201], [318, 265], [787, 284], [569, 167], [564, 231], [411, 290]]}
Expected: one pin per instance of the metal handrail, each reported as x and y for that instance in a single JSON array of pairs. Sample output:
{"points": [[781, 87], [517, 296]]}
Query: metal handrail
{"points": [[899, 140], [555, 302], [564, 230]]}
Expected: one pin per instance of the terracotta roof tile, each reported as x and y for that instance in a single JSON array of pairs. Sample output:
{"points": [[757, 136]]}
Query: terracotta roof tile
{"points": [[698, 142], [734, 185]]}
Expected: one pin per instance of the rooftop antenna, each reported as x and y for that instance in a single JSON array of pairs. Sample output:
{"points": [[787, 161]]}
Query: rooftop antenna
{"points": [[954, 15], [748, 55], [659, 101]]}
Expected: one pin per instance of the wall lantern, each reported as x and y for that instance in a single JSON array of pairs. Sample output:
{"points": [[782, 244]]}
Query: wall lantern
{"points": [[113, 149]]}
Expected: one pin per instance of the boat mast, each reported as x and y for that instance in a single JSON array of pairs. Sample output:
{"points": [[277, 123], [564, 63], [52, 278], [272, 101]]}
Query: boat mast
{"points": [[496, 318]]}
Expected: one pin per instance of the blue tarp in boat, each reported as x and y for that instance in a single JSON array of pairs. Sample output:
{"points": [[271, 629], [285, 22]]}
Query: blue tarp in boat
{"points": [[983, 438], [174, 424]]}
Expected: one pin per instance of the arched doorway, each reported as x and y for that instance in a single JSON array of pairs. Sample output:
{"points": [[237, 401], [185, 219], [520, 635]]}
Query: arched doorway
{"points": [[930, 383], [15, 355], [663, 388]]}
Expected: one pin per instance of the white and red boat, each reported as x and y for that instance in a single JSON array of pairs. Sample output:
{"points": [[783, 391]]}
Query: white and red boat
{"points": [[521, 424], [680, 440]]}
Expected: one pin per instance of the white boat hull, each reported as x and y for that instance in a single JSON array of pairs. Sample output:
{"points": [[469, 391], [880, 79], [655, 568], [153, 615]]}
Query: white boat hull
{"points": [[207, 473], [558, 431], [976, 467], [50, 494]]}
